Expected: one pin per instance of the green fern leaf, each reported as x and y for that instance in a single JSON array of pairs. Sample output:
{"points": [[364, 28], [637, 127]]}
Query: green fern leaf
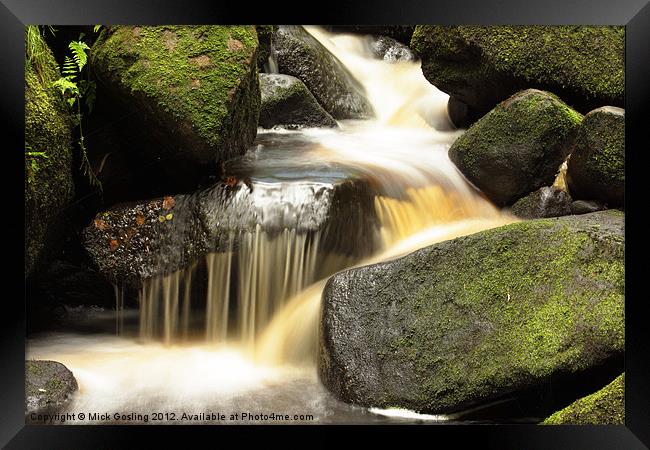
{"points": [[78, 49]]}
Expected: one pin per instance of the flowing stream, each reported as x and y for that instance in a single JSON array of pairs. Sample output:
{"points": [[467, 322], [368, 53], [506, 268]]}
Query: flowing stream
{"points": [[237, 332]]}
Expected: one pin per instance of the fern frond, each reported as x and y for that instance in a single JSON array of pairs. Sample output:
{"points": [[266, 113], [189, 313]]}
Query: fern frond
{"points": [[78, 49]]}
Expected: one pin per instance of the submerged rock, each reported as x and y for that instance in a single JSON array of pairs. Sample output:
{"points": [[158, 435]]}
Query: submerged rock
{"points": [[482, 65], [48, 159], [48, 387], [605, 407], [596, 168], [468, 321], [299, 54], [548, 201], [193, 88], [287, 102], [518, 146], [391, 50]]}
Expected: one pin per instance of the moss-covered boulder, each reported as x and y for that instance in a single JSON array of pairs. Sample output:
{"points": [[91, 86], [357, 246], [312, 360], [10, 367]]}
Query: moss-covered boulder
{"points": [[586, 206], [194, 89], [48, 387], [287, 102], [468, 321], [548, 201], [48, 156], [605, 407], [596, 168], [482, 65], [299, 54], [517, 147]]}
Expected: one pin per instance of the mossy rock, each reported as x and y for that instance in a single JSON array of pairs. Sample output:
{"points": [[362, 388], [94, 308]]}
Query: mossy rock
{"points": [[548, 201], [605, 407], [300, 55], [596, 168], [517, 147], [48, 159], [193, 89], [287, 102], [482, 65], [49, 386], [468, 321]]}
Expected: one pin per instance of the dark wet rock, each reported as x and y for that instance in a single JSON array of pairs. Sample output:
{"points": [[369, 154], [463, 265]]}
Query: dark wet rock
{"points": [[483, 65], [596, 168], [586, 207], [401, 33], [131, 242], [193, 88], [299, 54], [391, 50], [461, 115], [48, 387], [287, 102], [604, 407], [517, 147], [49, 184], [548, 201], [265, 38], [475, 319]]}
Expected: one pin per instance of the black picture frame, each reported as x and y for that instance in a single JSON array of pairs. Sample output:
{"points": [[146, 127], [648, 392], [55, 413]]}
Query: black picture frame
{"points": [[633, 14]]}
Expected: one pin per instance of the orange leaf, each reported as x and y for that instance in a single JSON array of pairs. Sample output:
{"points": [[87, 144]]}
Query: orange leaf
{"points": [[114, 244], [168, 203], [231, 180], [139, 218], [100, 224]]}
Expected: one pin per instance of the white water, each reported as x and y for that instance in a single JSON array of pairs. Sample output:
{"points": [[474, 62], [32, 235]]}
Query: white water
{"points": [[269, 365]]}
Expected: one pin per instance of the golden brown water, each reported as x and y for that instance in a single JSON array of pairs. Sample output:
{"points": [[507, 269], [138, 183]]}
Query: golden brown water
{"points": [[260, 322]]}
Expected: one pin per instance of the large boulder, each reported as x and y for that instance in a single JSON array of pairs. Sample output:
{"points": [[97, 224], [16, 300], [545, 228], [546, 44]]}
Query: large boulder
{"points": [[195, 90], [548, 201], [469, 321], [299, 54], [48, 155], [482, 65], [517, 147], [604, 407], [49, 386], [287, 102], [596, 168]]}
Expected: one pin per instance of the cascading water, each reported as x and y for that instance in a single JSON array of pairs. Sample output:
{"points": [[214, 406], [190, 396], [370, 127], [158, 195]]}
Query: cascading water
{"points": [[313, 202]]}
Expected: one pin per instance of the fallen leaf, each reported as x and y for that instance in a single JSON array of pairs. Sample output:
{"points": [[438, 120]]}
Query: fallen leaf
{"points": [[139, 218], [231, 180], [161, 219], [100, 224], [168, 203], [169, 216], [114, 244]]}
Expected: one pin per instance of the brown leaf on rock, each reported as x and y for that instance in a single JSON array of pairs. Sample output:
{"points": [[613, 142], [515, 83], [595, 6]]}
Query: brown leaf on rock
{"points": [[230, 181], [168, 202], [100, 224], [114, 244], [139, 218]]}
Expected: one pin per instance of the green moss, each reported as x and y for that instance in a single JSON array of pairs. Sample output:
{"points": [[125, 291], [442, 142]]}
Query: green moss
{"points": [[585, 60], [518, 146], [481, 316], [606, 406], [200, 78], [48, 154]]}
